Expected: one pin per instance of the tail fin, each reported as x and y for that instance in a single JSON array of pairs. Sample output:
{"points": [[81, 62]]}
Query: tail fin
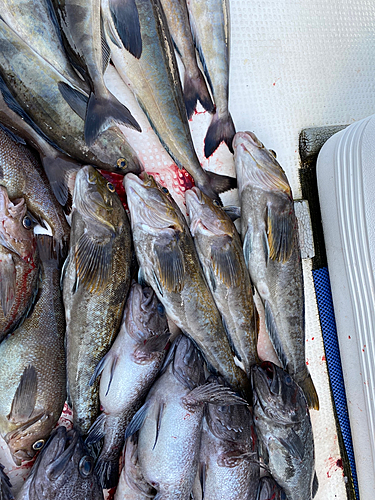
{"points": [[61, 171], [307, 385], [221, 129], [102, 112], [195, 89], [217, 184]]}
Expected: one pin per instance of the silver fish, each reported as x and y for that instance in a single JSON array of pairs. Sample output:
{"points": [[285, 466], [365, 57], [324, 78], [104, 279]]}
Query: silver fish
{"points": [[271, 248], [284, 430], [64, 469], [126, 373]]}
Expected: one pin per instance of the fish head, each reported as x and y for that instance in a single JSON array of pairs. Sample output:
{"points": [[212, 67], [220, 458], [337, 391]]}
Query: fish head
{"points": [[64, 469], [281, 399], [16, 226], [206, 216], [187, 365], [151, 206], [257, 166], [97, 201]]}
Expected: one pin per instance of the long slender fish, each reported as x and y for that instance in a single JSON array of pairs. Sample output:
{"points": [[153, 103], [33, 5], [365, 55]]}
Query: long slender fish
{"points": [[19, 263], [96, 280], [283, 426], [64, 469], [219, 249], [81, 25], [210, 28], [169, 263], [32, 372], [127, 372], [195, 87], [271, 248], [156, 84]]}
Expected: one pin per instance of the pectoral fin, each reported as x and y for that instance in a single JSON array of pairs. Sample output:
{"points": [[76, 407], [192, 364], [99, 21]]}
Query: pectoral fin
{"points": [[213, 394], [126, 20], [76, 100], [97, 430], [225, 263], [248, 244], [271, 328], [137, 421], [7, 282], [171, 265], [280, 232], [24, 400], [294, 445]]}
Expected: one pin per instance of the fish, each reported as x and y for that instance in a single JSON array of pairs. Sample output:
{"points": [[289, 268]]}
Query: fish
{"points": [[219, 249], [228, 461], [63, 469], [155, 81], [132, 484], [194, 87], [84, 39], [283, 427], [269, 230], [95, 280], [23, 177], [5, 486], [32, 372], [169, 264], [268, 489], [56, 108], [126, 373], [19, 263], [169, 424], [209, 23]]}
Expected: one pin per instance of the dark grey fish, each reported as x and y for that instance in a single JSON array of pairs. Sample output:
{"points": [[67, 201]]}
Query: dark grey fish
{"points": [[283, 426], [268, 489], [269, 232], [5, 486], [63, 470]]}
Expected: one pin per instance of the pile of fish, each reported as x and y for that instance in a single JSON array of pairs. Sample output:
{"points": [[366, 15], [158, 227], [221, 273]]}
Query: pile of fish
{"points": [[143, 320]]}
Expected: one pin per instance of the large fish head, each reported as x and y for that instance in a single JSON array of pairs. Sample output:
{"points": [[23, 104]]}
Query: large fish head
{"points": [[64, 469], [144, 319], [97, 201], [281, 399], [16, 227], [206, 216], [151, 206], [257, 166], [187, 365]]}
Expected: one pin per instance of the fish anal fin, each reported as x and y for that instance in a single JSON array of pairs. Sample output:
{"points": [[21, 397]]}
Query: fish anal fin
{"points": [[171, 265], [126, 20], [24, 400], [281, 227], [271, 328]]}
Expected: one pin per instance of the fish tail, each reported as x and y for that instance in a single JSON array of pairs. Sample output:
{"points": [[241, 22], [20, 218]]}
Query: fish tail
{"points": [[102, 112], [108, 472], [195, 89], [307, 385], [216, 184], [221, 129]]}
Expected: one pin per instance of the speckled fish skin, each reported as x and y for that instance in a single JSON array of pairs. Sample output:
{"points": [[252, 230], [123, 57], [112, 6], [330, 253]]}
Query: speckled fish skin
{"points": [[19, 263], [96, 280], [32, 372], [34, 84], [271, 248], [23, 177], [64, 469], [127, 372], [228, 468], [283, 426], [219, 249], [169, 263]]}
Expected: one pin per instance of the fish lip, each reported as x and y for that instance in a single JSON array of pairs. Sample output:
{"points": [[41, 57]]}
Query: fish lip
{"points": [[241, 137]]}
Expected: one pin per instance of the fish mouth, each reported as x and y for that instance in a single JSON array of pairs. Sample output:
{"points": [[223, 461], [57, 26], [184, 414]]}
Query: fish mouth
{"points": [[203, 214], [246, 137]]}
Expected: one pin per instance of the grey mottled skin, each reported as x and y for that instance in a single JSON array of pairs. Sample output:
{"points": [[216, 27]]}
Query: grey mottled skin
{"points": [[63, 470], [219, 249], [38, 342], [94, 309], [284, 429], [271, 248], [169, 262]]}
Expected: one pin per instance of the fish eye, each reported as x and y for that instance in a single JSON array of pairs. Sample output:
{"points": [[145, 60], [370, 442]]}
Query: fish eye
{"points": [[288, 380], [110, 187], [121, 163], [161, 309], [85, 466], [165, 190], [216, 203], [38, 445], [26, 222]]}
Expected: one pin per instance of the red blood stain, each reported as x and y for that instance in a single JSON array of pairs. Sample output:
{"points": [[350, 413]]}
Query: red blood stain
{"points": [[116, 180], [339, 463], [307, 361], [274, 83], [111, 493], [333, 465], [313, 338], [349, 337], [323, 358]]}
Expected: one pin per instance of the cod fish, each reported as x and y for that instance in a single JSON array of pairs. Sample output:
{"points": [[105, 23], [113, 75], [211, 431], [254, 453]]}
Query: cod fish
{"points": [[19, 263], [284, 430], [23, 177], [271, 248], [81, 25], [32, 372], [96, 280], [210, 28], [195, 87], [229, 467], [268, 489], [169, 263], [219, 249], [155, 81], [170, 421], [127, 372], [63, 470], [5, 486]]}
